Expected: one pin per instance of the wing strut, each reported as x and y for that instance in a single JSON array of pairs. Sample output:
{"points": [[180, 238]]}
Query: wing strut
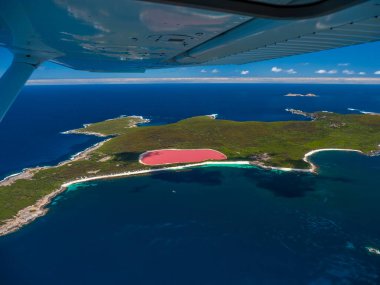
{"points": [[13, 80]]}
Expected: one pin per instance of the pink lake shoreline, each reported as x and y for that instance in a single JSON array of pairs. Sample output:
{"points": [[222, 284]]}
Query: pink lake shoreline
{"points": [[175, 156]]}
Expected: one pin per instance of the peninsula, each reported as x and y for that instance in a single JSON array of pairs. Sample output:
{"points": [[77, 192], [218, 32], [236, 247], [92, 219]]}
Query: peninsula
{"points": [[284, 145]]}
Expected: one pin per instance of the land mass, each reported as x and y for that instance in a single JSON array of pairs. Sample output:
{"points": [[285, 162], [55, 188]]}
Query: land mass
{"points": [[268, 144], [300, 95]]}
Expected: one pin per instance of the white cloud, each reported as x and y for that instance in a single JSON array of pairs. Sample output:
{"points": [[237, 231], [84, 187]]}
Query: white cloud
{"points": [[362, 73], [276, 69], [343, 64], [203, 70], [348, 72], [244, 72], [324, 71], [377, 72], [291, 71], [214, 70]]}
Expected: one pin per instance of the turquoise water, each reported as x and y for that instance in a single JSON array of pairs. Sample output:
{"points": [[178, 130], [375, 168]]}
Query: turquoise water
{"points": [[214, 225], [31, 132], [210, 225]]}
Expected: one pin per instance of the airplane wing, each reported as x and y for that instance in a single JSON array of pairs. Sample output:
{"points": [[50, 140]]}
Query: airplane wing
{"points": [[135, 35]]}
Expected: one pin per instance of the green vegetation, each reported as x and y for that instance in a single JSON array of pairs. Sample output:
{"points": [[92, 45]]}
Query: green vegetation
{"points": [[284, 144], [111, 127]]}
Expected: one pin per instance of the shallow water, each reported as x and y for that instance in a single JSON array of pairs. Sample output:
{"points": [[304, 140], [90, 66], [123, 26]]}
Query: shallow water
{"points": [[214, 225], [30, 133], [210, 225]]}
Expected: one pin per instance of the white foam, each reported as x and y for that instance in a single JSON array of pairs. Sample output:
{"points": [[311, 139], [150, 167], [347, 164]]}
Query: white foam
{"points": [[212, 116], [363, 112]]}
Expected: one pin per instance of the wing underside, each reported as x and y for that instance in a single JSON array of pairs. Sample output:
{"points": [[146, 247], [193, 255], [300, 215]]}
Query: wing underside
{"points": [[288, 40], [131, 36]]}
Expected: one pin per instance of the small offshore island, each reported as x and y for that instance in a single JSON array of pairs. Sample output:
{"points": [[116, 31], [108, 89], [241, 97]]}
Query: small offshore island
{"points": [[275, 145], [300, 95]]}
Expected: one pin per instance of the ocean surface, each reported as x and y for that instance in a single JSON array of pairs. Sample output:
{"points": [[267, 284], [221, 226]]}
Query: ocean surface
{"points": [[211, 225]]}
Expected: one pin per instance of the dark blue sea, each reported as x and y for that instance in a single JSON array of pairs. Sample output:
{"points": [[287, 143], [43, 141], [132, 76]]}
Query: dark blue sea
{"points": [[211, 225]]}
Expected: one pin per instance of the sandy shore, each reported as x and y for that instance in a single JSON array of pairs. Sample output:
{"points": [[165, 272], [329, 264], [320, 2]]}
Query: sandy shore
{"points": [[38, 209], [313, 167], [286, 169], [30, 213]]}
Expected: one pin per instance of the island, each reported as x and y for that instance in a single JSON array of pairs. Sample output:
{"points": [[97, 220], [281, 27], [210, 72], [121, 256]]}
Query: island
{"points": [[300, 95], [284, 145]]}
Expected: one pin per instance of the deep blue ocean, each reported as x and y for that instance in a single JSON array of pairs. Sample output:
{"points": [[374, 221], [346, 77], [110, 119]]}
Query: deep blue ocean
{"points": [[212, 225]]}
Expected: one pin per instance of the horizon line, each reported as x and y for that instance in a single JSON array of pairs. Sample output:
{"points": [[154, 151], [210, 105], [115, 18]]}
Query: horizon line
{"points": [[274, 80]]}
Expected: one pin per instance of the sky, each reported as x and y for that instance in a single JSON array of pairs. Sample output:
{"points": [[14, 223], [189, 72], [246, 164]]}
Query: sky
{"points": [[361, 61]]}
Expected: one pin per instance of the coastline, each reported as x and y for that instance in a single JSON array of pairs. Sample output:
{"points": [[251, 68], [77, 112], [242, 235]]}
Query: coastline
{"points": [[38, 209], [313, 167], [89, 133], [31, 213], [75, 132], [28, 173]]}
